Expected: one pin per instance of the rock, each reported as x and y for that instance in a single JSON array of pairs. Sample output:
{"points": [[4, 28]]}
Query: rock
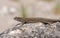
{"points": [[33, 30]]}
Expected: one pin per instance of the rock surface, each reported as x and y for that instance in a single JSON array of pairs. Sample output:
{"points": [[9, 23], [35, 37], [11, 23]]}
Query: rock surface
{"points": [[33, 30]]}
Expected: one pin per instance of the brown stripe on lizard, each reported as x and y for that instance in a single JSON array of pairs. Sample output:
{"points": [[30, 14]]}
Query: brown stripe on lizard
{"points": [[33, 20]]}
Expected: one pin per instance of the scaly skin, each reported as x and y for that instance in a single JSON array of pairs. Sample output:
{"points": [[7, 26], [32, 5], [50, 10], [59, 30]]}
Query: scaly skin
{"points": [[32, 20]]}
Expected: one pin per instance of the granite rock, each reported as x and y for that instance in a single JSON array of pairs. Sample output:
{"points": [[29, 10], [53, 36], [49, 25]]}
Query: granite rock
{"points": [[33, 30]]}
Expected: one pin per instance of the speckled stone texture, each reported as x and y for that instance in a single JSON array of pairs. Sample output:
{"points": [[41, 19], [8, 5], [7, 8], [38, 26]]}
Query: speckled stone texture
{"points": [[33, 30]]}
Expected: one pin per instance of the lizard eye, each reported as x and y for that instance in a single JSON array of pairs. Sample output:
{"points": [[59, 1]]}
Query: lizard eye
{"points": [[18, 19]]}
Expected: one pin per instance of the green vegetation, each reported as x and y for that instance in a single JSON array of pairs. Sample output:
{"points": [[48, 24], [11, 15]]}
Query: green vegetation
{"points": [[23, 12], [58, 5], [48, 0], [57, 8]]}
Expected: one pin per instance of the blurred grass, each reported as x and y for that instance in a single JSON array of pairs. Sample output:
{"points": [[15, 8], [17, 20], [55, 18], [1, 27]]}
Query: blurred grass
{"points": [[57, 9], [23, 12], [48, 0]]}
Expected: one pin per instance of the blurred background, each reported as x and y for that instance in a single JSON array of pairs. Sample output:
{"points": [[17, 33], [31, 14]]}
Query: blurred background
{"points": [[27, 9]]}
